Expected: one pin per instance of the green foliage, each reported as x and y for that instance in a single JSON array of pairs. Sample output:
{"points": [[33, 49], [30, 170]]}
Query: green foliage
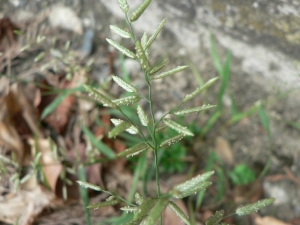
{"points": [[242, 175]]}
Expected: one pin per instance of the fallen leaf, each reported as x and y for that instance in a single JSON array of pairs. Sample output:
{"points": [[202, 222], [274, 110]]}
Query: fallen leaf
{"points": [[51, 167], [24, 206], [267, 220], [224, 150]]}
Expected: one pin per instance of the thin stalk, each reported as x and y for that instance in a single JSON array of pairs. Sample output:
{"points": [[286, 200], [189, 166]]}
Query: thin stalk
{"points": [[152, 134]]}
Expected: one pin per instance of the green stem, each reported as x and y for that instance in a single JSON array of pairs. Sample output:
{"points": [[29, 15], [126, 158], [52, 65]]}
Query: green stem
{"points": [[153, 135]]}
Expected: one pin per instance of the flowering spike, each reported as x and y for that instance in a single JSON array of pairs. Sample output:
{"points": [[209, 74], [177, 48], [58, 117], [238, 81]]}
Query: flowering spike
{"points": [[122, 83], [177, 127], [168, 73], [121, 48], [139, 11]]}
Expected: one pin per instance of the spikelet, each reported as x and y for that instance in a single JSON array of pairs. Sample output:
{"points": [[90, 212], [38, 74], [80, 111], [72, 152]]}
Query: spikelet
{"points": [[136, 149], [254, 207], [215, 218], [139, 11], [132, 129], [171, 141], [159, 28], [138, 199], [121, 48], [128, 209], [119, 129], [89, 185], [123, 84], [126, 100], [142, 115], [161, 129], [169, 73], [159, 67], [144, 44], [192, 110], [142, 56], [119, 31], [99, 97], [179, 212], [109, 202], [192, 186], [124, 5], [177, 127], [200, 89]]}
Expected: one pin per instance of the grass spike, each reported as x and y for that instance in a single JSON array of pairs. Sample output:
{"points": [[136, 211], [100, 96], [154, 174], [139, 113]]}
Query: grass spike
{"points": [[121, 48]]}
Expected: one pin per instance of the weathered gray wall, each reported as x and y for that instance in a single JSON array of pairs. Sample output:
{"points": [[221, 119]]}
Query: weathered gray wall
{"points": [[263, 34]]}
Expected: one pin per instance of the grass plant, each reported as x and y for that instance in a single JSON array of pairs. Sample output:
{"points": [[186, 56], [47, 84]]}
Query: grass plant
{"points": [[147, 210]]}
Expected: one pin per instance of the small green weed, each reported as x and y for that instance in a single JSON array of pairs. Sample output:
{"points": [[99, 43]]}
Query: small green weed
{"points": [[148, 210]]}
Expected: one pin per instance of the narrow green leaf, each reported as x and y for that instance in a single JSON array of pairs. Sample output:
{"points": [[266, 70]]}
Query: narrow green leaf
{"points": [[156, 211], [171, 141], [121, 48], [159, 67], [136, 149], [254, 207], [200, 89], [179, 212], [132, 129], [225, 79], [53, 105], [84, 194], [25, 178], [215, 218], [264, 119], [216, 59], [140, 169], [175, 126], [119, 129], [120, 31], [39, 56], [139, 11], [89, 185], [168, 73], [99, 97], [123, 84], [159, 28], [192, 110], [142, 115], [103, 148]]}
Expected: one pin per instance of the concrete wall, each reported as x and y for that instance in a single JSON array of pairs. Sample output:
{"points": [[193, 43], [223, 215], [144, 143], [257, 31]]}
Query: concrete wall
{"points": [[263, 34]]}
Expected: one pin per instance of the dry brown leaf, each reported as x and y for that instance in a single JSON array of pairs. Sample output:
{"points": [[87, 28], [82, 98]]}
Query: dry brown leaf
{"points": [[51, 167], [267, 220], [24, 205], [224, 150], [7, 35], [295, 221]]}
